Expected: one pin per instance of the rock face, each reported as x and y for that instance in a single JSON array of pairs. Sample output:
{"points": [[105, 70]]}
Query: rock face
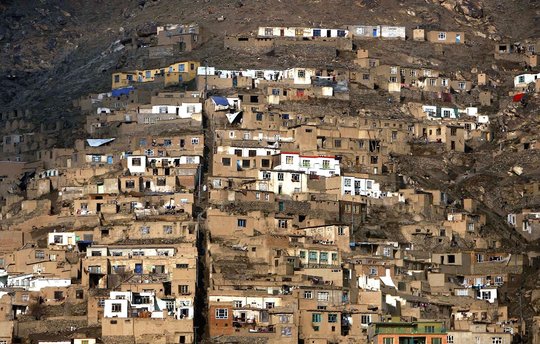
{"points": [[469, 8]]}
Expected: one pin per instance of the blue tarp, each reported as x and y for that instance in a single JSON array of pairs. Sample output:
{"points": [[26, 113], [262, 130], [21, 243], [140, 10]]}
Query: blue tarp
{"points": [[220, 101], [121, 91]]}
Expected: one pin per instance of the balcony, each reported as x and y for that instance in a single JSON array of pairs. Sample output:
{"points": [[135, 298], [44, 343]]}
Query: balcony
{"points": [[244, 328], [404, 330], [95, 270]]}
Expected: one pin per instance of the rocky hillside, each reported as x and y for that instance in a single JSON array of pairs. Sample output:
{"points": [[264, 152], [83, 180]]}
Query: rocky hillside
{"points": [[54, 50]]}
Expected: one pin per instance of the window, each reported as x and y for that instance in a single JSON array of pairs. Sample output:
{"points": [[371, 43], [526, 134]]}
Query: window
{"points": [[275, 91], [450, 339], [302, 254], [40, 255], [25, 297], [258, 116], [161, 182], [269, 305], [312, 256], [442, 36], [145, 230], [498, 280], [393, 70], [388, 340], [486, 295], [332, 318], [282, 223], [322, 296], [301, 73], [444, 82], [242, 223], [373, 271], [521, 78], [194, 140], [365, 319], [462, 85], [323, 257], [453, 131], [266, 175], [226, 161], [496, 340], [167, 229], [337, 143], [130, 184], [116, 307], [57, 239], [316, 317], [280, 176], [348, 182], [289, 159], [430, 329], [436, 341], [306, 163], [295, 177], [268, 31], [117, 78], [222, 313], [308, 294], [326, 164], [183, 289], [432, 82], [393, 79]]}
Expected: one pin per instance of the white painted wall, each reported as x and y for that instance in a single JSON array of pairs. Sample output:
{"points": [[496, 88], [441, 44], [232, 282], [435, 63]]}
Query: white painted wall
{"points": [[136, 169]]}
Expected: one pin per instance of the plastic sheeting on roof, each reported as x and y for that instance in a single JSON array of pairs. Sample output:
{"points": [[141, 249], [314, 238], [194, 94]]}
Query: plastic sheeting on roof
{"points": [[232, 116], [220, 101], [387, 280], [98, 142], [121, 91]]}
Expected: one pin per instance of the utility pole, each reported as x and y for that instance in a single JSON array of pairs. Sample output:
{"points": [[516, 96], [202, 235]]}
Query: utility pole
{"points": [[205, 79], [351, 236]]}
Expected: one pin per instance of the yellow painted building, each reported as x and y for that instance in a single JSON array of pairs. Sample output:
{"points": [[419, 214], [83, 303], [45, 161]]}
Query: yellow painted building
{"points": [[175, 74]]}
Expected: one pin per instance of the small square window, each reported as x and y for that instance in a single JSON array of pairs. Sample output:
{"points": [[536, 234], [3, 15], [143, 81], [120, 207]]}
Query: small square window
{"points": [[222, 313]]}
